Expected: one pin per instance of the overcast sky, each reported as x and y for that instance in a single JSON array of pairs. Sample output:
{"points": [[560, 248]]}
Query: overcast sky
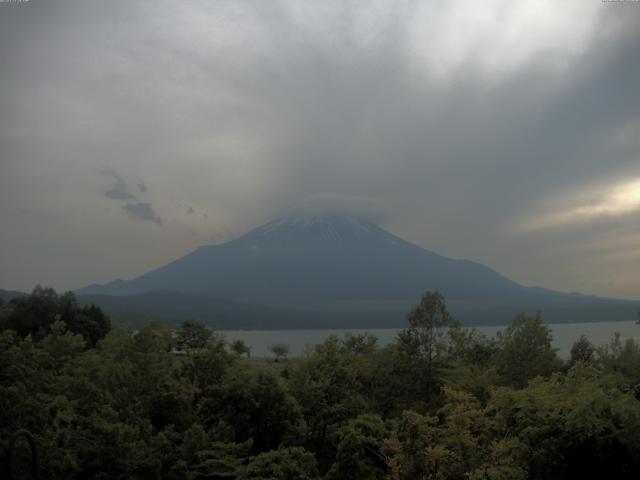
{"points": [[502, 131]]}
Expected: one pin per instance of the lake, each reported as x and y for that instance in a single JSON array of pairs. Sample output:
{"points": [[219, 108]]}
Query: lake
{"points": [[600, 333]]}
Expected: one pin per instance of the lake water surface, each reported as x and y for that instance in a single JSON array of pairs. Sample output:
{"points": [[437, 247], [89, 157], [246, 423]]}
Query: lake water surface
{"points": [[564, 335]]}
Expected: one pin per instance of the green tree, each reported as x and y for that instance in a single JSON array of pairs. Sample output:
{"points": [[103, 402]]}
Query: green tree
{"points": [[468, 346], [35, 314], [360, 343], [426, 342], [426, 335], [279, 350], [503, 462], [623, 360], [287, 464], [574, 425], [254, 403], [240, 348], [201, 456], [6, 309], [152, 339], [205, 368], [525, 351], [193, 335], [90, 322], [582, 350], [327, 387], [359, 452], [469, 364], [456, 443], [61, 346], [407, 447]]}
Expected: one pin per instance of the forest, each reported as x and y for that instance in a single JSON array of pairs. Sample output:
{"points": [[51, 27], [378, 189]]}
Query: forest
{"points": [[440, 402]]}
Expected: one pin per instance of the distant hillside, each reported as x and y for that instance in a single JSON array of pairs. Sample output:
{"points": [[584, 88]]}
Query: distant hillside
{"points": [[173, 307], [327, 271], [7, 295]]}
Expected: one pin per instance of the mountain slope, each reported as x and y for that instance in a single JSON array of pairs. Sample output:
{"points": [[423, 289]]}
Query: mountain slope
{"points": [[315, 259], [344, 265]]}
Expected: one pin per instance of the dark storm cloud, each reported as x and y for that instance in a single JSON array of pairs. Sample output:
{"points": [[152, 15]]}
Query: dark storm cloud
{"points": [[477, 130], [141, 211]]}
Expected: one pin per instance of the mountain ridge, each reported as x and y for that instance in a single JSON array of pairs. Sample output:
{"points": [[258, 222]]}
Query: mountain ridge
{"points": [[338, 266], [281, 244]]}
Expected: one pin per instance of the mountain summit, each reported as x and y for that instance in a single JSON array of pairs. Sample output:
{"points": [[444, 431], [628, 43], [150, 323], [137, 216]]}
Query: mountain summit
{"points": [[348, 266]]}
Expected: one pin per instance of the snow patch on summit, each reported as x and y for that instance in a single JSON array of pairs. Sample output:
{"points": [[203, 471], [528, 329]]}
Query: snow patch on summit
{"points": [[333, 228]]}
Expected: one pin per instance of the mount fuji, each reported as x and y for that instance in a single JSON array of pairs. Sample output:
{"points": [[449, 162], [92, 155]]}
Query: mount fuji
{"points": [[314, 271]]}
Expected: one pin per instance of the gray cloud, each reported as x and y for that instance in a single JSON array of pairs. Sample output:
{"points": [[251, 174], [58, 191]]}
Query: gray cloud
{"points": [[461, 123], [340, 204], [120, 190], [141, 211], [141, 185]]}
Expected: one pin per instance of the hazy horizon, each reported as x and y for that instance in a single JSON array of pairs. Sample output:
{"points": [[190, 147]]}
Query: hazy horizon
{"points": [[507, 133]]}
